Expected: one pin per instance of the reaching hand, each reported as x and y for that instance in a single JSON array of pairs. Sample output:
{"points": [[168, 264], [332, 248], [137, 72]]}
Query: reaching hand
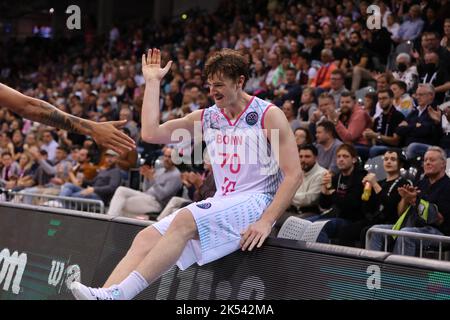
{"points": [[151, 66], [108, 135]]}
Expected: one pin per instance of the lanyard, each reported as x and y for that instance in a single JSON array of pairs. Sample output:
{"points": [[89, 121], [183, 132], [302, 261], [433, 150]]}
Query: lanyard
{"points": [[392, 186]]}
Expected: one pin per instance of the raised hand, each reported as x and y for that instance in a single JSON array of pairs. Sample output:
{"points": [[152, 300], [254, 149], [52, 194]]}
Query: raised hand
{"points": [[151, 66], [435, 115]]}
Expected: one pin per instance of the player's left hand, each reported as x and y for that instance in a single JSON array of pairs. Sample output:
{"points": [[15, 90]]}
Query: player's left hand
{"points": [[255, 235]]}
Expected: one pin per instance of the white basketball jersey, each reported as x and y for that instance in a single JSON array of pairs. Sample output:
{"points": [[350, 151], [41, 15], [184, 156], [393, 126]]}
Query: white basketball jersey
{"points": [[240, 153]]}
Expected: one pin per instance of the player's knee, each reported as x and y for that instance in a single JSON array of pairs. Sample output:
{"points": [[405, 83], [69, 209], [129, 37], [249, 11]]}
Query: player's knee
{"points": [[145, 238], [184, 224]]}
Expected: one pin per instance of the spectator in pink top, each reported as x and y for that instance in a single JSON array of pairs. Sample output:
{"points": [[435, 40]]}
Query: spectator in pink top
{"points": [[350, 122]]}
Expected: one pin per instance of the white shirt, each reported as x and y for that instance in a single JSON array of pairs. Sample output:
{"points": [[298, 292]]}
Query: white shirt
{"points": [[309, 192], [51, 149]]}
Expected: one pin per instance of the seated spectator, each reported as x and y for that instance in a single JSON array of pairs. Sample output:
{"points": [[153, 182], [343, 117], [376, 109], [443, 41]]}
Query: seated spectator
{"points": [[382, 205], [418, 130], [392, 26], [84, 169], [410, 29], [406, 71], [26, 171], [433, 72], [10, 168], [327, 144], [370, 103], [160, 186], [382, 134], [17, 141], [305, 71], [430, 193], [30, 141], [445, 41], [199, 186], [337, 85], [279, 76], [289, 90], [306, 199], [326, 105], [49, 144], [307, 108], [291, 114], [350, 123], [378, 42], [441, 118], [302, 136], [403, 102], [102, 187], [384, 81], [360, 65], [73, 156], [255, 84], [6, 144], [322, 81], [131, 125], [272, 62], [57, 171], [341, 194]]}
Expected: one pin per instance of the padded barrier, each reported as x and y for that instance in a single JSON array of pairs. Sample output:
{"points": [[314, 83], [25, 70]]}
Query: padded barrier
{"points": [[43, 250]]}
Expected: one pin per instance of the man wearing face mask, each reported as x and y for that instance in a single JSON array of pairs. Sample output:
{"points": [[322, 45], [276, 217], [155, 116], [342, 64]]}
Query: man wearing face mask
{"points": [[406, 72], [432, 72]]}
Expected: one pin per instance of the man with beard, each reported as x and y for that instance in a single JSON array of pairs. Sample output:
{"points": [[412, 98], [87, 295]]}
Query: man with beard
{"points": [[350, 123], [306, 200], [360, 63], [341, 194]]}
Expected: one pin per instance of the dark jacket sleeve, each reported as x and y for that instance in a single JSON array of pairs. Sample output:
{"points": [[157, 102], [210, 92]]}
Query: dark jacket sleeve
{"points": [[110, 188], [326, 201]]}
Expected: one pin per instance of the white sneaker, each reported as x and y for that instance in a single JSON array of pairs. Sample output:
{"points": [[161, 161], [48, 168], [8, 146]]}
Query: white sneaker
{"points": [[81, 292]]}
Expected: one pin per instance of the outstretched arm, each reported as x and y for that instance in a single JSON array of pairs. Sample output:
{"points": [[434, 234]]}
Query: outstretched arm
{"points": [[289, 163], [104, 133], [152, 131]]}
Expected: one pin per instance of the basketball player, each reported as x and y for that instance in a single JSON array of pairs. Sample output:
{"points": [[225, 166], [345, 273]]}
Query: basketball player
{"points": [[104, 133], [248, 200]]}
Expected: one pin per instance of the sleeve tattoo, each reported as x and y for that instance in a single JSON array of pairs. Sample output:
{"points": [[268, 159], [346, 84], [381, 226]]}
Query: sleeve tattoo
{"points": [[50, 115]]}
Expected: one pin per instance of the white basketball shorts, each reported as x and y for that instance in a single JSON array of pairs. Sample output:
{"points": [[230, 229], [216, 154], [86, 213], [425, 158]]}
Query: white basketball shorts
{"points": [[220, 221]]}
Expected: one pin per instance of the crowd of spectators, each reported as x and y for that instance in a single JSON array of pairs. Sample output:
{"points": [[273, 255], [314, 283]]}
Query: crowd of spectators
{"points": [[350, 93]]}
